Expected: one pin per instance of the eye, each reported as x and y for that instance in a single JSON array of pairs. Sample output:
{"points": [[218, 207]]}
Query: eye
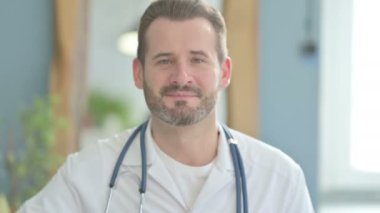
{"points": [[197, 60], [165, 61]]}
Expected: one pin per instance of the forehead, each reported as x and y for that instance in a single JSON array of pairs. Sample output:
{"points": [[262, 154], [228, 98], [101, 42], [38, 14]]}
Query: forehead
{"points": [[174, 35]]}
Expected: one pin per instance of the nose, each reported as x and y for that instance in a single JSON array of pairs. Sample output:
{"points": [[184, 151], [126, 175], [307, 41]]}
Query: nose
{"points": [[181, 74]]}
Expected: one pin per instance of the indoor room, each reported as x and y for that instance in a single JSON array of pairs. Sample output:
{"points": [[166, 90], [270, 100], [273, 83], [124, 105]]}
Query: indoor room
{"points": [[302, 78]]}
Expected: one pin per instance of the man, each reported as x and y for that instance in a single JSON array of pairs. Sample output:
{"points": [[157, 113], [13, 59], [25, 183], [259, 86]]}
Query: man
{"points": [[182, 65]]}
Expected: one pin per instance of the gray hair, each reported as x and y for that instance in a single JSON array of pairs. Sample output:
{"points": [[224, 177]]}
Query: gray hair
{"points": [[180, 10]]}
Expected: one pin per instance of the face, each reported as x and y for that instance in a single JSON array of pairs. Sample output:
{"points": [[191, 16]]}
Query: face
{"points": [[182, 75]]}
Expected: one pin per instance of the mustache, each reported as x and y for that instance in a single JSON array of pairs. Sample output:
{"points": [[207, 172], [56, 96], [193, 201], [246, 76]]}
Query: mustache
{"points": [[177, 88]]}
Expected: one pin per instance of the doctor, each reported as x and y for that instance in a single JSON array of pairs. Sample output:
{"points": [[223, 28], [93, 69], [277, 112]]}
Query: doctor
{"points": [[182, 66]]}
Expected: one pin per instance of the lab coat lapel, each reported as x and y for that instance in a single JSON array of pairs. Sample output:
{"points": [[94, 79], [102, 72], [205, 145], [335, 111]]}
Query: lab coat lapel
{"points": [[221, 175], [159, 173], [214, 183]]}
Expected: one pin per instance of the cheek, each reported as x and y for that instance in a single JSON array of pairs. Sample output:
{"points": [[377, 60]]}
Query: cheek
{"points": [[154, 82], [209, 82]]}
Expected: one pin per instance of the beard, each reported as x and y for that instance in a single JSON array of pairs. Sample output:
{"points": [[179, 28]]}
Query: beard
{"points": [[181, 114]]}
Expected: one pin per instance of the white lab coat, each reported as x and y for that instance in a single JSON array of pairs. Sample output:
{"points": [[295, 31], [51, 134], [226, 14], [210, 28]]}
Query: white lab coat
{"points": [[276, 183]]}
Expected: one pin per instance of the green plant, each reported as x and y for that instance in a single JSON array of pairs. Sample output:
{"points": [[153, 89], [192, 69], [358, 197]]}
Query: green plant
{"points": [[101, 105], [31, 169], [4, 207]]}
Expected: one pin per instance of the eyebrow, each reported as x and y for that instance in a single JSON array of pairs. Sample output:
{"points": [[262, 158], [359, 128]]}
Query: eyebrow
{"points": [[199, 52], [164, 54], [167, 54]]}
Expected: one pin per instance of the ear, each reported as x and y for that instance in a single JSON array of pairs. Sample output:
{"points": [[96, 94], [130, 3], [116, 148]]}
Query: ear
{"points": [[138, 73], [226, 73]]}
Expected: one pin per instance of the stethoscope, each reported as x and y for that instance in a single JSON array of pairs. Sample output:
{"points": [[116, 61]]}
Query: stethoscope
{"points": [[240, 180]]}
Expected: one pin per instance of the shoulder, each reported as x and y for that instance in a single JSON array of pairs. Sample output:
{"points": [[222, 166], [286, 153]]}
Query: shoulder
{"points": [[76, 178], [96, 158], [274, 175], [268, 159]]}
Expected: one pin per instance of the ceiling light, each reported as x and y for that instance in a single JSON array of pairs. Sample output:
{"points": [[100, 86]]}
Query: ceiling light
{"points": [[127, 43]]}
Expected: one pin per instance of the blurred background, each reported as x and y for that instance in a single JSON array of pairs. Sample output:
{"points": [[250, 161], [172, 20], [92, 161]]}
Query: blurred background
{"points": [[305, 79]]}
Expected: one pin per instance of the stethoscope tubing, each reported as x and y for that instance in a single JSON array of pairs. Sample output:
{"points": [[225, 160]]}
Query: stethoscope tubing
{"points": [[122, 155], [243, 181], [143, 159], [237, 177], [240, 179]]}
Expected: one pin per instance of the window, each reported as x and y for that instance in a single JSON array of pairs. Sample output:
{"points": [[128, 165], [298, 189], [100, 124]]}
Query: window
{"points": [[365, 86], [350, 99]]}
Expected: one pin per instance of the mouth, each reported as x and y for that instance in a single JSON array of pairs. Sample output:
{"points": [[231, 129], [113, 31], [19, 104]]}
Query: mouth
{"points": [[179, 94], [175, 91]]}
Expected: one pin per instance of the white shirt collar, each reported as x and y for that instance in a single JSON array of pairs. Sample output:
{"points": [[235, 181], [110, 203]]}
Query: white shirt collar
{"points": [[223, 159]]}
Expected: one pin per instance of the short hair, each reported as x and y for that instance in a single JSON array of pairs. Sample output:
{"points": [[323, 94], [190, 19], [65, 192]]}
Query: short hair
{"points": [[180, 10]]}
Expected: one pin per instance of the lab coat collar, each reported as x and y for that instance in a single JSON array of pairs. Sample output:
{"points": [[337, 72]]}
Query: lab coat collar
{"points": [[133, 156], [223, 159], [220, 175]]}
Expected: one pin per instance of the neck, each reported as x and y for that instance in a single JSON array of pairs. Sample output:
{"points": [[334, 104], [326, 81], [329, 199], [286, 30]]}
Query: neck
{"points": [[194, 145]]}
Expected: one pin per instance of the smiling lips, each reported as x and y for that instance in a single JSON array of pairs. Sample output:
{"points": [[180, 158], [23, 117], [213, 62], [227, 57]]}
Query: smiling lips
{"points": [[181, 94], [175, 91]]}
